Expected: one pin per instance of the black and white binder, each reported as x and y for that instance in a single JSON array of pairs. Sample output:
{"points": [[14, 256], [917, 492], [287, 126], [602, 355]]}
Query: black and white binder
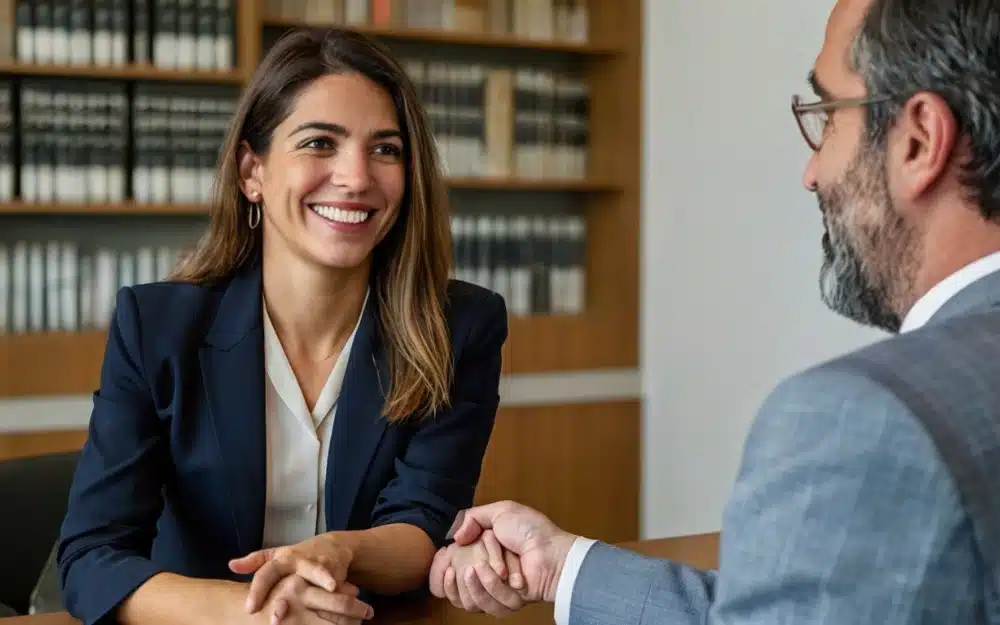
{"points": [[224, 29], [103, 51], [80, 32], [187, 34], [205, 34], [5, 290], [165, 33], [60, 32], [24, 20]]}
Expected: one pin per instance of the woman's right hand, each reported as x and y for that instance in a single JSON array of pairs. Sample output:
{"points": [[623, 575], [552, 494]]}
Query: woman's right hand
{"points": [[295, 601]]}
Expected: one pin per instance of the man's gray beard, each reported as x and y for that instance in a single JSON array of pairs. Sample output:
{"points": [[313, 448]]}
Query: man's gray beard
{"points": [[851, 285]]}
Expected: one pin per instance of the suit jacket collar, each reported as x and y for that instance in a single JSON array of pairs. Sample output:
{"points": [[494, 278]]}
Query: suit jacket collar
{"points": [[233, 374], [980, 295]]}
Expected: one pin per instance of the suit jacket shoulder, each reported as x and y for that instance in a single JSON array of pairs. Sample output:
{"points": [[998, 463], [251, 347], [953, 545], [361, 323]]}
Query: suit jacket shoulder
{"points": [[474, 311], [843, 510]]}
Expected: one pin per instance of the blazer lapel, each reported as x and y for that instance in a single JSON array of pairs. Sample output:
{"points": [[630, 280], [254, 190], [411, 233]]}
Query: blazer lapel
{"points": [[232, 365], [358, 425]]}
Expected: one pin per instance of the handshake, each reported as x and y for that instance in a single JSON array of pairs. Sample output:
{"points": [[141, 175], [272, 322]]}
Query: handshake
{"points": [[504, 556]]}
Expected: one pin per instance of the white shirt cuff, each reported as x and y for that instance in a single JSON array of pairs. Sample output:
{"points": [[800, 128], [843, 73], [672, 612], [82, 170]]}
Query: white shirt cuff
{"points": [[564, 589]]}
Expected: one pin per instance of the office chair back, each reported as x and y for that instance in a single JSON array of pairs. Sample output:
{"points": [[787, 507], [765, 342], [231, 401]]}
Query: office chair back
{"points": [[33, 497]]}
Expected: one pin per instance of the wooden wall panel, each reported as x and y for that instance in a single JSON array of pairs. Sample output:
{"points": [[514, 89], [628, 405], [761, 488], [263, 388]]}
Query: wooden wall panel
{"points": [[27, 444], [578, 463]]}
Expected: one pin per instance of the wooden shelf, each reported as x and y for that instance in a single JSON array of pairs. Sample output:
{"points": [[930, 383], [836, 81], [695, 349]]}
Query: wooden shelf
{"points": [[121, 72], [51, 363], [69, 363], [530, 184], [19, 207], [124, 208], [440, 36], [571, 343]]}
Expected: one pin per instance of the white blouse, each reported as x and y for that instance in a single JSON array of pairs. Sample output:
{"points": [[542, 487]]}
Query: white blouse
{"points": [[298, 443]]}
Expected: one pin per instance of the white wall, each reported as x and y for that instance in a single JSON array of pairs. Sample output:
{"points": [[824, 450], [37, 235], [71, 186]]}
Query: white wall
{"points": [[731, 242]]}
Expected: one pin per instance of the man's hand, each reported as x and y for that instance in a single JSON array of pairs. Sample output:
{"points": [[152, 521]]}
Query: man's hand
{"points": [[542, 548]]}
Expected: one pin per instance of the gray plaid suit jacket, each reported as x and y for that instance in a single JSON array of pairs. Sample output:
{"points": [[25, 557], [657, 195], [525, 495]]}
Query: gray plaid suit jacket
{"points": [[846, 510]]}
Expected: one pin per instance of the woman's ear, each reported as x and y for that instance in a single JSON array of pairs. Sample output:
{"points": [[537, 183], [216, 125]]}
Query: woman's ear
{"points": [[249, 166]]}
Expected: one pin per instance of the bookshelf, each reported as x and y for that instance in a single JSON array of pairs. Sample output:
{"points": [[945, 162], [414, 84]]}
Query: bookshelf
{"points": [[443, 36], [605, 194]]}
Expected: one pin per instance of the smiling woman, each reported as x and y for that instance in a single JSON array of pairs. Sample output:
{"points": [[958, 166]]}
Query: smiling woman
{"points": [[290, 424]]}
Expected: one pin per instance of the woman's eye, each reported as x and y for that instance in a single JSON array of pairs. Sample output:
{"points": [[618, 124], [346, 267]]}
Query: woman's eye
{"points": [[388, 149], [318, 143]]}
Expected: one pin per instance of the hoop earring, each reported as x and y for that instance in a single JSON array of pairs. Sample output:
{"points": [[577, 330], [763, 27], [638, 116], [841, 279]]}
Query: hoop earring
{"points": [[253, 216]]}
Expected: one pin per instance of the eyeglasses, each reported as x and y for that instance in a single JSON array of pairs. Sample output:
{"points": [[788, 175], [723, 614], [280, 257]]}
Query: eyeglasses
{"points": [[812, 117]]}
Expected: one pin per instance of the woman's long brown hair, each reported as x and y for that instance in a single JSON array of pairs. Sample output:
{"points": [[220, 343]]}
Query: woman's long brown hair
{"points": [[410, 266]]}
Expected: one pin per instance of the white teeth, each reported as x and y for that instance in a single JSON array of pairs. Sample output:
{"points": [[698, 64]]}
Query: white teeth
{"points": [[342, 215]]}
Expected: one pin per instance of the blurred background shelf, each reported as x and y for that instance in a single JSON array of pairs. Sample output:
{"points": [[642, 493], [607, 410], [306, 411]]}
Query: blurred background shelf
{"points": [[557, 91], [50, 363], [124, 72], [123, 208], [532, 184], [454, 37], [68, 363]]}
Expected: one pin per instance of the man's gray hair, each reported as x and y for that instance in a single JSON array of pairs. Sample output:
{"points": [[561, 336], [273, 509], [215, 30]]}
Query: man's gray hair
{"points": [[948, 47]]}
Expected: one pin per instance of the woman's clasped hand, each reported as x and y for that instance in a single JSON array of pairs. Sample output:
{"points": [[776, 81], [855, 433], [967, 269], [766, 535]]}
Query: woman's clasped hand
{"points": [[303, 582], [461, 572]]}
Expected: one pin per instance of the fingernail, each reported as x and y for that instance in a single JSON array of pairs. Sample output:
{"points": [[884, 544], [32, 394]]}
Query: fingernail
{"points": [[370, 614], [459, 518], [248, 604], [516, 581], [274, 619]]}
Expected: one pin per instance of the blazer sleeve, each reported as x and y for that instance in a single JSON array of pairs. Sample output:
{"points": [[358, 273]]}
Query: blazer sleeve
{"points": [[114, 502], [843, 512], [437, 475]]}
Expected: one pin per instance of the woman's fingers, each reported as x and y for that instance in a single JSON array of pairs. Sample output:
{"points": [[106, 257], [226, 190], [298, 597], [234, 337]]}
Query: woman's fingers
{"points": [[316, 574], [336, 603], [264, 580], [489, 593], [515, 577], [275, 570], [494, 551], [280, 611], [451, 588]]}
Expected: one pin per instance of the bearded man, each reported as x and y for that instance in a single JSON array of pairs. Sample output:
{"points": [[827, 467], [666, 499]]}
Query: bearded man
{"points": [[868, 491]]}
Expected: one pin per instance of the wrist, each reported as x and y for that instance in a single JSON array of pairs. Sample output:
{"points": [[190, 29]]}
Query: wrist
{"points": [[348, 543], [558, 550]]}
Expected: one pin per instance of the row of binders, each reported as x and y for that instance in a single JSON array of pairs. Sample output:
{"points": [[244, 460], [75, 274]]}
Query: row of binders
{"points": [[170, 34], [75, 142], [505, 121], [548, 20], [58, 286], [77, 147], [538, 263]]}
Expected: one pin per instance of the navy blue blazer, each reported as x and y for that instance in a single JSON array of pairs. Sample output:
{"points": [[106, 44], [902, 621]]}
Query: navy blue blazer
{"points": [[172, 476]]}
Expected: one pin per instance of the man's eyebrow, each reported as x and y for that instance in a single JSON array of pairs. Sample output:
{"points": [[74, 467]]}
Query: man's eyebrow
{"points": [[817, 88]]}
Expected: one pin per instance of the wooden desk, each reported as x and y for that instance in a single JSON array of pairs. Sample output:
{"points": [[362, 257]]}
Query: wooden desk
{"points": [[701, 551]]}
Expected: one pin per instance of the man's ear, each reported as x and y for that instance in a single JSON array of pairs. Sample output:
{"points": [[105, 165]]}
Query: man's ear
{"points": [[922, 148], [249, 166]]}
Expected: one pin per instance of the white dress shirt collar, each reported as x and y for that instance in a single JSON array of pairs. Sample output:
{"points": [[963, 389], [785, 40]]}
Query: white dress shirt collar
{"points": [[940, 293]]}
